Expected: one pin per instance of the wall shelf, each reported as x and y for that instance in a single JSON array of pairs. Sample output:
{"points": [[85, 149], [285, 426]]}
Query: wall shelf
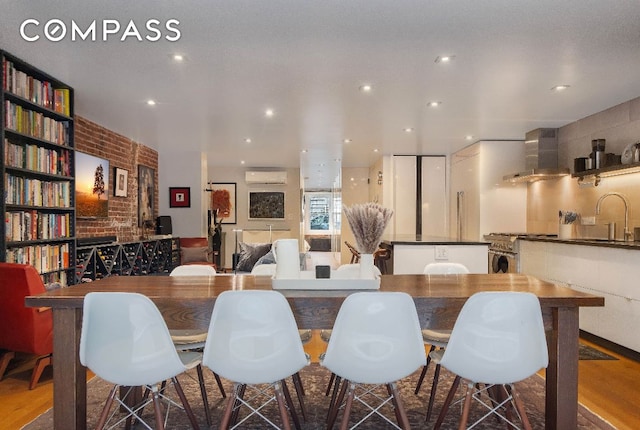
{"points": [[618, 169]]}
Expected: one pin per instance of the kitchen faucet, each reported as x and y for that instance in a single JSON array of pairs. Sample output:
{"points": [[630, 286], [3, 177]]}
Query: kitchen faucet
{"points": [[627, 233]]}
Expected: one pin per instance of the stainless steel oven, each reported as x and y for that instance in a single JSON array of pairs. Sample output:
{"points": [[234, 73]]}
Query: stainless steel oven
{"points": [[503, 252]]}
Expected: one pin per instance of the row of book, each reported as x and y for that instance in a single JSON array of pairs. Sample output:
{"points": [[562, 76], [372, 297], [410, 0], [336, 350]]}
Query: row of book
{"points": [[34, 225], [36, 91], [37, 158], [34, 192], [45, 258], [35, 124]]}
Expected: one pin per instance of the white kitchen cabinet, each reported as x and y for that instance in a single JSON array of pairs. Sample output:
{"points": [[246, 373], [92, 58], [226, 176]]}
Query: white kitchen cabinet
{"points": [[419, 180], [602, 271], [480, 201], [412, 258]]}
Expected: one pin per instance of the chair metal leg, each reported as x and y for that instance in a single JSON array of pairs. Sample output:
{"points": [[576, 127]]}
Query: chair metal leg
{"points": [[185, 403], [424, 371], [107, 408], [281, 405], [432, 396], [41, 363], [289, 400], [203, 393], [346, 414], [465, 410], [447, 402]]}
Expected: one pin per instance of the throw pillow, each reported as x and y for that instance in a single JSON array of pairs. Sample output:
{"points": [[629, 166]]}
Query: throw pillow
{"points": [[267, 258], [250, 253], [195, 255]]}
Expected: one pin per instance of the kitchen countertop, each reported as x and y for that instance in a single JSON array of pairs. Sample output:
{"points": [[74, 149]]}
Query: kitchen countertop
{"points": [[585, 241], [406, 239]]}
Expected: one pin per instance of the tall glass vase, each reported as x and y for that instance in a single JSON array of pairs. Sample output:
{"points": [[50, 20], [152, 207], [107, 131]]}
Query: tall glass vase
{"points": [[366, 266]]}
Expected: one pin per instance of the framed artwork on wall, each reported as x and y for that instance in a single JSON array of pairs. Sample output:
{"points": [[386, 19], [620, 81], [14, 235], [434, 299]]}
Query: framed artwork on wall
{"points": [[121, 180], [146, 193], [224, 202], [266, 205], [179, 197], [92, 186]]}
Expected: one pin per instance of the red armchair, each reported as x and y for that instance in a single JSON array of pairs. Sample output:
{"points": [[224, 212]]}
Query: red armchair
{"points": [[23, 329]]}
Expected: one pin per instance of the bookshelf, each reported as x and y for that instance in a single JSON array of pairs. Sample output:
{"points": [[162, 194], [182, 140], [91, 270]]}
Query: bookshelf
{"points": [[38, 186]]}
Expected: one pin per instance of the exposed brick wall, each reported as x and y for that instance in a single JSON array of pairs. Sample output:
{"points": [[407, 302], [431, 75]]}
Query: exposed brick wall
{"points": [[124, 153]]}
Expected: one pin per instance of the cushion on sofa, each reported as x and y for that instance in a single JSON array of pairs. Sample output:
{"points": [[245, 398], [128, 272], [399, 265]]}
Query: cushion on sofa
{"points": [[195, 255], [250, 253]]}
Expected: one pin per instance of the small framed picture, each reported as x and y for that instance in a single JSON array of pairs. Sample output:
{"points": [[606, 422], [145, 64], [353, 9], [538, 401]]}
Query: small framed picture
{"points": [[121, 182], [179, 197]]}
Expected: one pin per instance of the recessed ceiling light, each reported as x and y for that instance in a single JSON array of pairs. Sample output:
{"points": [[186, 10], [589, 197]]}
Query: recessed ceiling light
{"points": [[151, 102], [408, 129], [375, 150], [337, 160], [347, 141], [269, 113], [178, 58], [247, 140], [445, 58], [560, 87], [434, 104], [366, 88], [241, 161], [468, 137], [304, 151]]}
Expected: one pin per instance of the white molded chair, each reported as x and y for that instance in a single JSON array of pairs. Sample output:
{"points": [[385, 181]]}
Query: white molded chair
{"points": [[498, 339], [264, 270], [125, 341], [376, 340], [253, 340], [193, 270], [437, 338], [352, 271], [193, 339]]}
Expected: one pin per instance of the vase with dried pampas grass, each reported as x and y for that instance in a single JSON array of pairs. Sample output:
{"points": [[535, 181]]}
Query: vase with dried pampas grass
{"points": [[367, 222]]}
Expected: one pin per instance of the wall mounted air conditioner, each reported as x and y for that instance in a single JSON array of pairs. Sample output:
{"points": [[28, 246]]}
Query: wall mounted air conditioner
{"points": [[266, 177]]}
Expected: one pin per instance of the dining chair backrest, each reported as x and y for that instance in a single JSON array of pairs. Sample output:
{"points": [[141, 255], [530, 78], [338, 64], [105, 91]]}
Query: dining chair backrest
{"points": [[376, 338], [253, 338], [352, 271], [445, 268], [193, 270], [498, 338], [124, 340]]}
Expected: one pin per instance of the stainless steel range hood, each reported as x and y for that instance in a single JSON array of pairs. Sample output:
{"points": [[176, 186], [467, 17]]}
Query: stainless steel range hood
{"points": [[541, 152]]}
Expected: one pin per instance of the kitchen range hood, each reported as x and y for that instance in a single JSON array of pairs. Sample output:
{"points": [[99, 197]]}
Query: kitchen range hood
{"points": [[541, 162]]}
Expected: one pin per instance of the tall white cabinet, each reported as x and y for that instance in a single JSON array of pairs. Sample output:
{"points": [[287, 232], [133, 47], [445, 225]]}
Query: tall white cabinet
{"points": [[480, 202], [420, 198]]}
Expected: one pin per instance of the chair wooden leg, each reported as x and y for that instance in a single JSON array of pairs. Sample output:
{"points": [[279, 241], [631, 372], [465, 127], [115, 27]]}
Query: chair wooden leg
{"points": [[396, 411], [236, 406], [336, 389], [403, 420], [292, 409], [41, 364], [107, 408], [465, 410], [220, 387], [333, 376], [158, 410], [517, 400], [203, 393], [346, 414], [434, 387], [185, 403], [297, 384], [282, 407], [5, 358], [424, 371], [226, 417], [335, 406], [447, 402]]}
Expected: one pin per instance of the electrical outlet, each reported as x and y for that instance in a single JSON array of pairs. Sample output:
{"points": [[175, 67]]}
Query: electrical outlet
{"points": [[588, 220], [442, 252]]}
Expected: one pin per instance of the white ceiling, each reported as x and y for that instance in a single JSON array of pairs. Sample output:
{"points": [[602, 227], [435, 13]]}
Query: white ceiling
{"points": [[307, 59]]}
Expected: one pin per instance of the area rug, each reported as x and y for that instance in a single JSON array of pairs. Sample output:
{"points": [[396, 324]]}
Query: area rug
{"points": [[585, 352], [315, 380]]}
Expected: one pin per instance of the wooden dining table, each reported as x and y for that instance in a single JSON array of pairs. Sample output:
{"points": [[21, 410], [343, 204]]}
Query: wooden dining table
{"points": [[186, 303]]}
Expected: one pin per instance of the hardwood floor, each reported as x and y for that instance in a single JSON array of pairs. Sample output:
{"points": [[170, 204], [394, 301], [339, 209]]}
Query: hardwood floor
{"points": [[610, 388]]}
